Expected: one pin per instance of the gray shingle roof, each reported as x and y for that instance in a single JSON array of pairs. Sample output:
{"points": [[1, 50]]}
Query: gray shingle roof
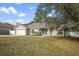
{"points": [[32, 25], [36, 25]]}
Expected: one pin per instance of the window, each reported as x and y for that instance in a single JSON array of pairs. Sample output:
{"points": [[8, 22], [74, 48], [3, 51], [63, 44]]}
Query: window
{"points": [[60, 31], [32, 30], [44, 31]]}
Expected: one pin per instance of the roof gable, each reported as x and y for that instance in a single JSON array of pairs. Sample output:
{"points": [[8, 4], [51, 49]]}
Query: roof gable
{"points": [[20, 27], [36, 25], [6, 26]]}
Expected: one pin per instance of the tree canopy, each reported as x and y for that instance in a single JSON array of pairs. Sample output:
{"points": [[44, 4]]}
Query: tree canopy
{"points": [[55, 15]]}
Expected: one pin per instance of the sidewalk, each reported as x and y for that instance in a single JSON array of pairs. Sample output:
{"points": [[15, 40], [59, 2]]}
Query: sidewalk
{"points": [[7, 35], [18, 35]]}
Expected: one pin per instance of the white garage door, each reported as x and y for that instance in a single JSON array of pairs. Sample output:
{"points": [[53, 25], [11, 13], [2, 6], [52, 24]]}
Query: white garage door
{"points": [[20, 32]]}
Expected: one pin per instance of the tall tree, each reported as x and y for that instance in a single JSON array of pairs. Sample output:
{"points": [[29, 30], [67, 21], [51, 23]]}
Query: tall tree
{"points": [[46, 12], [58, 14], [70, 11]]}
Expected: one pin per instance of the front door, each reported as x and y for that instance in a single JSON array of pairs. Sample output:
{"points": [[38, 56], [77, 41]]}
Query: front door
{"points": [[44, 31], [28, 31]]}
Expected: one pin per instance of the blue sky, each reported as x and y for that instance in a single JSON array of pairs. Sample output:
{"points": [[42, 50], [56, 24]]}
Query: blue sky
{"points": [[17, 12]]}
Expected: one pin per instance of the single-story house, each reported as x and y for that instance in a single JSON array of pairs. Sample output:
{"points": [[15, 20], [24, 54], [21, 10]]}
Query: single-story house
{"points": [[35, 29], [30, 29], [5, 28]]}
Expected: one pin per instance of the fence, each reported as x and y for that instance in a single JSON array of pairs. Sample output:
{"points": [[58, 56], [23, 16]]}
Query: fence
{"points": [[74, 34]]}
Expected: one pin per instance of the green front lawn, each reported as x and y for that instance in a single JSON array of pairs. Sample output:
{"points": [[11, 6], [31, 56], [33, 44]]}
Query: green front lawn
{"points": [[38, 46]]}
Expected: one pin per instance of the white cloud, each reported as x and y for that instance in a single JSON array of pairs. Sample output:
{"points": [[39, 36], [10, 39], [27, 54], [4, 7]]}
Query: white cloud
{"points": [[4, 10], [8, 10], [21, 14], [20, 21], [30, 8], [12, 10]]}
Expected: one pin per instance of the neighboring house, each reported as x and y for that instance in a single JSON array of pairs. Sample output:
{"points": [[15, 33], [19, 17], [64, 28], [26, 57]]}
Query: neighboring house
{"points": [[5, 28], [65, 30]]}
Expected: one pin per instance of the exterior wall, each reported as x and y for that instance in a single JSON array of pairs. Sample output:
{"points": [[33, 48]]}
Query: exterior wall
{"points": [[54, 33], [48, 33], [4, 31]]}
